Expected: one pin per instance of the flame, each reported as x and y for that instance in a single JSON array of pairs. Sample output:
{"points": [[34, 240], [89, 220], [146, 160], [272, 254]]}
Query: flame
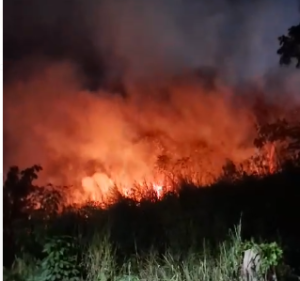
{"points": [[157, 135], [97, 186]]}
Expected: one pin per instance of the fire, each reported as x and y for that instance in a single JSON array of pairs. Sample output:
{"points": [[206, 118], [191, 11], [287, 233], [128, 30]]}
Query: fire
{"points": [[97, 186], [148, 141], [158, 189]]}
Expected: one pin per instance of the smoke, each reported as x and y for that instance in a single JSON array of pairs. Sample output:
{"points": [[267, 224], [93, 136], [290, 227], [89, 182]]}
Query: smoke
{"points": [[50, 120], [237, 36], [109, 39], [62, 57]]}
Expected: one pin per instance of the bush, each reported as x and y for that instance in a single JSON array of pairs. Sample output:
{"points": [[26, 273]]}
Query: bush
{"points": [[98, 263]]}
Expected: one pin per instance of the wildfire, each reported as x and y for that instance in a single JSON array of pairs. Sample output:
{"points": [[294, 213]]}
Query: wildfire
{"points": [[99, 187], [147, 142]]}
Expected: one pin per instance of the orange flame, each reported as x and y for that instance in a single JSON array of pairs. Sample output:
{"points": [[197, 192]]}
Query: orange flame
{"points": [[158, 134]]}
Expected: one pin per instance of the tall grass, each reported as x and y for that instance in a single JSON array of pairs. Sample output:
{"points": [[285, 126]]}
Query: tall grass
{"points": [[181, 237], [100, 263]]}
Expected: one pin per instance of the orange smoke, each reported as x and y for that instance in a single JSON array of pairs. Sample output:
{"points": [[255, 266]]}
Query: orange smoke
{"points": [[161, 132]]}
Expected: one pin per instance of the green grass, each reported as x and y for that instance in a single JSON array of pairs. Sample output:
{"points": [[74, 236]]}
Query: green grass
{"points": [[98, 262], [188, 236]]}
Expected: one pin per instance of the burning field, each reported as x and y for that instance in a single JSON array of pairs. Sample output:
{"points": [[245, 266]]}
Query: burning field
{"points": [[164, 103], [189, 127], [143, 133]]}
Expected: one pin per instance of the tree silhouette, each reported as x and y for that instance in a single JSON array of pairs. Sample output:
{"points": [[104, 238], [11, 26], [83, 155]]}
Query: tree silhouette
{"points": [[290, 46], [18, 185]]}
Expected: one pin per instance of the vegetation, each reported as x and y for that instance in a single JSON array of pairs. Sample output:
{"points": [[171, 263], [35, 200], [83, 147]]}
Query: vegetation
{"points": [[198, 234], [190, 236], [195, 234], [290, 46], [99, 263]]}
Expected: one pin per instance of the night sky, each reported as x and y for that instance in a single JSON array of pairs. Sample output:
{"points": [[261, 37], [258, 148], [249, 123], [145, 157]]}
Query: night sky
{"points": [[105, 37]]}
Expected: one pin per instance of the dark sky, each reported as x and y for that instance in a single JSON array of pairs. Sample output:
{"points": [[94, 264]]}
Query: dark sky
{"points": [[95, 34], [55, 29]]}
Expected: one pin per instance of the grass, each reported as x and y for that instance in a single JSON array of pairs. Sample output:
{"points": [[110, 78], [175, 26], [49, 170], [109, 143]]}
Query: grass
{"points": [[101, 264], [206, 265], [188, 236]]}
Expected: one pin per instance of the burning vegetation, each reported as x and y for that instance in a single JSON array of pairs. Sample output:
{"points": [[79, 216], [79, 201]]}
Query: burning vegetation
{"points": [[160, 132]]}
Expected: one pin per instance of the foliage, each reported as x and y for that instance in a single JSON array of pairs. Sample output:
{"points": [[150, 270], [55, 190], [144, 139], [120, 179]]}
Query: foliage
{"points": [[271, 255], [221, 263], [18, 185], [61, 261], [99, 259], [290, 46], [163, 239], [279, 130], [24, 268]]}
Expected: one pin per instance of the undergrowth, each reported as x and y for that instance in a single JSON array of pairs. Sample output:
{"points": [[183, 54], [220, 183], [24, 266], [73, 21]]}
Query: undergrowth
{"points": [[68, 258], [181, 237]]}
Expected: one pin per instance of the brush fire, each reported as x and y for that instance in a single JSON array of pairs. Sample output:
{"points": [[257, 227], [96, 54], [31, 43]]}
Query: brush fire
{"points": [[148, 140]]}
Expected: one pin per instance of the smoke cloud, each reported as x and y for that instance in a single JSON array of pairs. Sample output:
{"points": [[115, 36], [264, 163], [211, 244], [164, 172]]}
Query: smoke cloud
{"points": [[141, 38], [63, 60]]}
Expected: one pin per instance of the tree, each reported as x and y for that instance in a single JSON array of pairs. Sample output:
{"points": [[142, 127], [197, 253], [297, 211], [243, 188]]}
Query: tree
{"points": [[17, 187], [290, 46]]}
